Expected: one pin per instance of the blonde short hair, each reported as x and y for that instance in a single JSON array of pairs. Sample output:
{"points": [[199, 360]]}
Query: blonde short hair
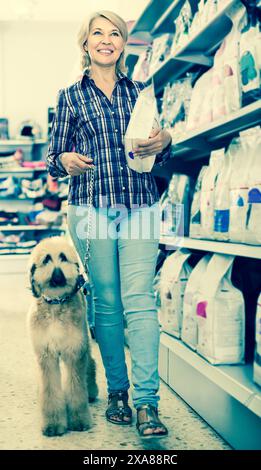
{"points": [[84, 33]]}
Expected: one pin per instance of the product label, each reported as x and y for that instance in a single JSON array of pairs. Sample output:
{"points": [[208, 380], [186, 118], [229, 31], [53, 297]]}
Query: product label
{"points": [[221, 220], [202, 309], [254, 196]]}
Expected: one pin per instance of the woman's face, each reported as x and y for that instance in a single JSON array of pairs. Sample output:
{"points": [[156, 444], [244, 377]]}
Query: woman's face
{"points": [[104, 43]]}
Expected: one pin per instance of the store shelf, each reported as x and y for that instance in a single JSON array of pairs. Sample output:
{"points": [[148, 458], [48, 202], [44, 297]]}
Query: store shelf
{"points": [[245, 117], [20, 172], [201, 141], [236, 380], [174, 68], [21, 141], [40, 141], [196, 51], [237, 400], [235, 249], [22, 228], [154, 10], [165, 22]]}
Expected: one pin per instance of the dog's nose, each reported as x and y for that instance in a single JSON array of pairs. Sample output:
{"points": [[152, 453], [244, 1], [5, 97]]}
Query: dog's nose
{"points": [[58, 278]]}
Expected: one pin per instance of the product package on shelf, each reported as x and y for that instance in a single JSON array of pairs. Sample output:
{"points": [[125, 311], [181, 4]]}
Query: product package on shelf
{"points": [[207, 193], [160, 51], [175, 105], [142, 66], [182, 26], [156, 282], [206, 11], [189, 332], [250, 60], [174, 276], [253, 225], [257, 356], [220, 314], [175, 206], [217, 93], [222, 193], [144, 118], [195, 218], [200, 110], [245, 189]]}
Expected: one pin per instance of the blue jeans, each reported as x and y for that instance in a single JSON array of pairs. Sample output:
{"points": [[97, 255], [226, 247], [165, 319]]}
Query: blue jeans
{"points": [[123, 254]]}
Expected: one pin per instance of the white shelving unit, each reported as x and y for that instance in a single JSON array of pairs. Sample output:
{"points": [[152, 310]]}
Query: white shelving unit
{"points": [[165, 20], [15, 263], [20, 172], [196, 51], [225, 396], [202, 140], [28, 228], [235, 249], [154, 10]]}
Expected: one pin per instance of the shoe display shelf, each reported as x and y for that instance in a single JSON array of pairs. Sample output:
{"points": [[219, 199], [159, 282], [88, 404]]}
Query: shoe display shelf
{"points": [[21, 172], [13, 263], [225, 396], [18, 262], [16, 203], [32, 149]]}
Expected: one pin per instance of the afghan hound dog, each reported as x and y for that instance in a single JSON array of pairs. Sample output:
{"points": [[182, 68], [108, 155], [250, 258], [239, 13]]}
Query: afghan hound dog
{"points": [[57, 322]]}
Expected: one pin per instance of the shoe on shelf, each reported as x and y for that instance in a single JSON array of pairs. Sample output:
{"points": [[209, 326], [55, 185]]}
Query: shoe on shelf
{"points": [[9, 163], [34, 165], [118, 411], [49, 218], [9, 218], [147, 418], [32, 189], [9, 187]]}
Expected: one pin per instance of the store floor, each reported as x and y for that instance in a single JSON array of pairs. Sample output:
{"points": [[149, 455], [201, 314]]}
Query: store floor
{"points": [[19, 411]]}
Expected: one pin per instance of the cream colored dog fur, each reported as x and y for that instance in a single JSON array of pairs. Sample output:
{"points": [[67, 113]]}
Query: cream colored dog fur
{"points": [[59, 333]]}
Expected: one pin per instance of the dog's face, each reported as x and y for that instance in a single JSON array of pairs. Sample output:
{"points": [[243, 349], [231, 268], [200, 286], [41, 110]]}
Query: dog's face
{"points": [[53, 267]]}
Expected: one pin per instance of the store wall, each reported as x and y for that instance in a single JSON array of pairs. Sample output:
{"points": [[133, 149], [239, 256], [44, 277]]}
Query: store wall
{"points": [[39, 52], [37, 60]]}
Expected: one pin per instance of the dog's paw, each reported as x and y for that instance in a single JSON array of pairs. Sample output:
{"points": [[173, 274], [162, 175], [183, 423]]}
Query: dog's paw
{"points": [[79, 425], [54, 430]]}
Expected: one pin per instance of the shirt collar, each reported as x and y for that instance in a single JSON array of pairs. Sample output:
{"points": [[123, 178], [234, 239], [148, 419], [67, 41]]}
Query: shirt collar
{"points": [[121, 76]]}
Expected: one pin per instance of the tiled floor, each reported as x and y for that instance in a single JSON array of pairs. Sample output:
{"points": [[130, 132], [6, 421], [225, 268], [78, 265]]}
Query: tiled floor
{"points": [[19, 411]]}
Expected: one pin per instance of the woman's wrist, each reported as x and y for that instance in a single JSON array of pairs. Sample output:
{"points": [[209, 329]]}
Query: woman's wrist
{"points": [[167, 138]]}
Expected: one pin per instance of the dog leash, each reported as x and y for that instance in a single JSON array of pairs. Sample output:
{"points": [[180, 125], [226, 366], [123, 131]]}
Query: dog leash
{"points": [[89, 222]]}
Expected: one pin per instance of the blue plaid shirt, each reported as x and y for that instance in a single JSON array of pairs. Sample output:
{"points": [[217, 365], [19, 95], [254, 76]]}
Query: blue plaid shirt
{"points": [[88, 123]]}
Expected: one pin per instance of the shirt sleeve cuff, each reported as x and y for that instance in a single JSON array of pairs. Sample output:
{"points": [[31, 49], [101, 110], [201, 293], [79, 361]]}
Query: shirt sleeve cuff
{"points": [[61, 170], [164, 156]]}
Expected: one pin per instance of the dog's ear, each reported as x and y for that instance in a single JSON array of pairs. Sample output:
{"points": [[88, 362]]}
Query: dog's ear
{"points": [[32, 281]]}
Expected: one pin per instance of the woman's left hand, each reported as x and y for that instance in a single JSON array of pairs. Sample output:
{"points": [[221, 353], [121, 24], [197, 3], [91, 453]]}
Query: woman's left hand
{"points": [[156, 143]]}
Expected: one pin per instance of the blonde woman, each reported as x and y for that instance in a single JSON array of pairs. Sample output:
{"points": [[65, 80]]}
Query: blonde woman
{"points": [[91, 118]]}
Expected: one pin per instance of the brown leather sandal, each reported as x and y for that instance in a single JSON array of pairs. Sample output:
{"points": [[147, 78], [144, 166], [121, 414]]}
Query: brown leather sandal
{"points": [[118, 406], [147, 418]]}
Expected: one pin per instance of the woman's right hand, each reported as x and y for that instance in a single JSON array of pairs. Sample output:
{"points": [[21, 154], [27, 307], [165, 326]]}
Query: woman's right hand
{"points": [[76, 164]]}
